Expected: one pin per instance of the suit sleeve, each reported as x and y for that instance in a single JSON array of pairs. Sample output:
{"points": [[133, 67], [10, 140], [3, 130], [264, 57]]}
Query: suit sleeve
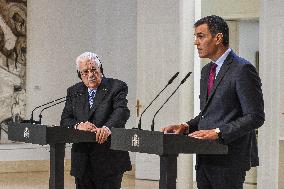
{"points": [[120, 113], [67, 116], [193, 124], [248, 89]]}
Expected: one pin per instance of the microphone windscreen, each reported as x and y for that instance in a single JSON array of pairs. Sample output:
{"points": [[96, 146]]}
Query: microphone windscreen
{"points": [[185, 78], [173, 78]]}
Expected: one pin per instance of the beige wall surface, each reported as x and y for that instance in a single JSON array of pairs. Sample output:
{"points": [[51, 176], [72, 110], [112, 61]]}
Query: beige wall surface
{"points": [[58, 31], [231, 9]]}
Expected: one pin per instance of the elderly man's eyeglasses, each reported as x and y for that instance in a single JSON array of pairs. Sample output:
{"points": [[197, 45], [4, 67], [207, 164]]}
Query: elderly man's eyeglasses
{"points": [[86, 72]]}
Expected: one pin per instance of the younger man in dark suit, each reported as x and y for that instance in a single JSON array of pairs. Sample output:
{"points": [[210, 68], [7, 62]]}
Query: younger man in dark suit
{"points": [[96, 105], [232, 107]]}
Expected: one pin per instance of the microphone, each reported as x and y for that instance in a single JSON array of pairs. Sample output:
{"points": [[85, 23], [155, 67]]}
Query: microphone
{"points": [[169, 82], [50, 102], [32, 114], [40, 114], [182, 81]]}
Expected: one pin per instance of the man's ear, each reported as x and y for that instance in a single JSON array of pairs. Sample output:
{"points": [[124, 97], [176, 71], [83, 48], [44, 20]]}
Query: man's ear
{"points": [[79, 75], [219, 38]]}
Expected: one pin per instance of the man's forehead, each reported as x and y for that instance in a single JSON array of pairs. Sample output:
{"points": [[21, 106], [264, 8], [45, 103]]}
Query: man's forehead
{"points": [[201, 29], [87, 63]]}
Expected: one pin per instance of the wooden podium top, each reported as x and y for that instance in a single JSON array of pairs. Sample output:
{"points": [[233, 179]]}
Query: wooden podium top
{"points": [[155, 142]]}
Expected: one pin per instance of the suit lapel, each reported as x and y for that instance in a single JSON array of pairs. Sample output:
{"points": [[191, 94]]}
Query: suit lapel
{"points": [[225, 67], [100, 94], [204, 84], [83, 102]]}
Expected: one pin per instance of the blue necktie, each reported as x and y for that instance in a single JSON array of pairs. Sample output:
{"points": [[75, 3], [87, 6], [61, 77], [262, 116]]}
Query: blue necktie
{"points": [[92, 93]]}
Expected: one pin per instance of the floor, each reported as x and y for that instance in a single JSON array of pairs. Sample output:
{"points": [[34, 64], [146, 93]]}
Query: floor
{"points": [[39, 180]]}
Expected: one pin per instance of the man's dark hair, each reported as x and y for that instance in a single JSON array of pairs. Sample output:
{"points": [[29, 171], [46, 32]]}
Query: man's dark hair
{"points": [[215, 24]]}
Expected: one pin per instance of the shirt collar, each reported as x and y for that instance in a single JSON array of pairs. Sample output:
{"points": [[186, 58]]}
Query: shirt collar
{"points": [[222, 58], [91, 89]]}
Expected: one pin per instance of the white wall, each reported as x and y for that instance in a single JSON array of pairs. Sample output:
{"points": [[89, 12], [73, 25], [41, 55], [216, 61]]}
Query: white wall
{"points": [[231, 9], [248, 39], [271, 71], [57, 32]]}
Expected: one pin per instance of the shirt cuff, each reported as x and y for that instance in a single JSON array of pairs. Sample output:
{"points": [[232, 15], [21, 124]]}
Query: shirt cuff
{"points": [[107, 129], [76, 125]]}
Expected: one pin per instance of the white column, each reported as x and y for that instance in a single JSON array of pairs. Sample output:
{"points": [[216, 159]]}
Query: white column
{"points": [[186, 100], [165, 45], [271, 72]]}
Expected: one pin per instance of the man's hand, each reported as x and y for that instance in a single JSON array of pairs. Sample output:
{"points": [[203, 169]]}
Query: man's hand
{"points": [[86, 126], [204, 134], [102, 134], [177, 129]]}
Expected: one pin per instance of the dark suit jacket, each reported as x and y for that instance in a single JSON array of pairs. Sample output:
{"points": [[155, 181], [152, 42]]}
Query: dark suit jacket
{"points": [[236, 107], [109, 109]]}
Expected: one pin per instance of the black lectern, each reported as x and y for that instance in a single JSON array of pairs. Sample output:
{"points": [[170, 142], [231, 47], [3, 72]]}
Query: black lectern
{"points": [[56, 137], [167, 146]]}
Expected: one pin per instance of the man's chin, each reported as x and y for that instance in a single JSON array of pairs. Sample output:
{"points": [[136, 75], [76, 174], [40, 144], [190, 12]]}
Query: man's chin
{"points": [[201, 56], [92, 85]]}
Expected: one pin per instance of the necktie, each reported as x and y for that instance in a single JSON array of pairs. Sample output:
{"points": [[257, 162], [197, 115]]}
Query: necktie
{"points": [[91, 97], [211, 78]]}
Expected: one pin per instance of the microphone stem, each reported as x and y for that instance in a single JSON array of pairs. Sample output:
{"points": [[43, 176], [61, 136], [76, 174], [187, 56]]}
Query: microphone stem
{"points": [[152, 125], [48, 103], [153, 122], [169, 82], [32, 118], [182, 81], [40, 115], [65, 98], [139, 124], [32, 114]]}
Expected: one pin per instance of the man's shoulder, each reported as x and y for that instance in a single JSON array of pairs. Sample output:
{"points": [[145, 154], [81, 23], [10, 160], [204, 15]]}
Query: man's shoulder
{"points": [[239, 60], [114, 82], [77, 86]]}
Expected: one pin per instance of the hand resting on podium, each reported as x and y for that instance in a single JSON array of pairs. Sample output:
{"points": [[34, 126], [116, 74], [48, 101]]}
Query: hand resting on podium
{"points": [[101, 133], [176, 129], [183, 128]]}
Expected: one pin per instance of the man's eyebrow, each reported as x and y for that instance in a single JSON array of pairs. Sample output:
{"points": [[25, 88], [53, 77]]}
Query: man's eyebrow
{"points": [[200, 33]]}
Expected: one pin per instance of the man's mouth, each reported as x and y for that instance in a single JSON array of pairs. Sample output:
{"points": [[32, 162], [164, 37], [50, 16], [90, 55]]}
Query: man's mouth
{"points": [[92, 80]]}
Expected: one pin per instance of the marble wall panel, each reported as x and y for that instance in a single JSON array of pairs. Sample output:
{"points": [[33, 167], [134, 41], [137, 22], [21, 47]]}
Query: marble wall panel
{"points": [[13, 16]]}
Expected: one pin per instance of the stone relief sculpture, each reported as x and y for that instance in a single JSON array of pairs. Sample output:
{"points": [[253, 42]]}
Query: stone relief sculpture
{"points": [[13, 45]]}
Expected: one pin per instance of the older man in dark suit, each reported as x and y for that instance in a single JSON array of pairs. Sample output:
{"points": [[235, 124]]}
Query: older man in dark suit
{"points": [[232, 107], [96, 105]]}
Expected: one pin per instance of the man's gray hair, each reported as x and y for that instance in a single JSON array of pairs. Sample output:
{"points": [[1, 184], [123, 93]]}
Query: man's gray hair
{"points": [[88, 56]]}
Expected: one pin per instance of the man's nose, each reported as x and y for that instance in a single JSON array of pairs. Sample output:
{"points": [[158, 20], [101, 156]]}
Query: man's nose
{"points": [[196, 42], [91, 75]]}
